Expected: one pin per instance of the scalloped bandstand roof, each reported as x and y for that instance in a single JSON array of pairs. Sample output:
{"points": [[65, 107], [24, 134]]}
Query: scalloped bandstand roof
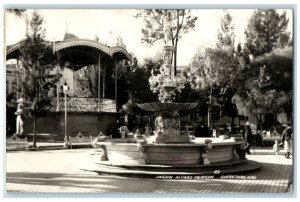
{"points": [[79, 52], [158, 106]]}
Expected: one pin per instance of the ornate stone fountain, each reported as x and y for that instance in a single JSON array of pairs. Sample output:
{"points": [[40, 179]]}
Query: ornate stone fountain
{"points": [[165, 83], [169, 146]]}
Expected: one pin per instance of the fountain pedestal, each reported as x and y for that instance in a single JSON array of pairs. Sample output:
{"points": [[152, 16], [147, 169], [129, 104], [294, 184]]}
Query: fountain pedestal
{"points": [[172, 139]]}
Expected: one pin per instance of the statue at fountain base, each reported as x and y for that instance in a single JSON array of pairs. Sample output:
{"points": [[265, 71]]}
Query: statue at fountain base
{"points": [[168, 129]]}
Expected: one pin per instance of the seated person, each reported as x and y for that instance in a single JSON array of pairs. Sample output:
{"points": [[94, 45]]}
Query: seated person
{"points": [[148, 130], [203, 130], [123, 132], [137, 133]]}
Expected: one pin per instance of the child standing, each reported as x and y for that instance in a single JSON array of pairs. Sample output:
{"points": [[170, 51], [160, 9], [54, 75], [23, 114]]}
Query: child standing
{"points": [[276, 148], [287, 139]]}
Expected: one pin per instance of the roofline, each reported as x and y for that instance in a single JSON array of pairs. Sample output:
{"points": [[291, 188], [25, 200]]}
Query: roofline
{"points": [[120, 49], [57, 46]]}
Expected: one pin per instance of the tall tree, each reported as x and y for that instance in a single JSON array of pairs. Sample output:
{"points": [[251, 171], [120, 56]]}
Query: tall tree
{"points": [[266, 30], [38, 62], [182, 21], [226, 38], [279, 65], [257, 98], [267, 39], [215, 69]]}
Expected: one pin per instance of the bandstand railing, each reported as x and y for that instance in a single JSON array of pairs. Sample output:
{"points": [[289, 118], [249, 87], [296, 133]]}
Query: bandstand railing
{"points": [[84, 105]]}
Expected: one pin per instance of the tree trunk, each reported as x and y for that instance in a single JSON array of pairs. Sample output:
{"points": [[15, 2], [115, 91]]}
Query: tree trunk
{"points": [[232, 124], [34, 130], [175, 58], [209, 120], [260, 123]]}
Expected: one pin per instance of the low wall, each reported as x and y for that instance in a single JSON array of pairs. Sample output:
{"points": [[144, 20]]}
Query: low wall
{"points": [[88, 123]]}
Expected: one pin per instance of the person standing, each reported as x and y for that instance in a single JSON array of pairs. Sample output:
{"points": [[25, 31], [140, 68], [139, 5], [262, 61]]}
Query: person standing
{"points": [[276, 147], [286, 139], [247, 136]]}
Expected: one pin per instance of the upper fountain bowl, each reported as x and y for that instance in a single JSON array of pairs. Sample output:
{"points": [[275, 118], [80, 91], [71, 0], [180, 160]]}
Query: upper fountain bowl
{"points": [[166, 106]]}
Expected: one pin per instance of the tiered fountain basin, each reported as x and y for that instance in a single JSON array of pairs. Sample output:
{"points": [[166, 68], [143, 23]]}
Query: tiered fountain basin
{"points": [[171, 151], [169, 145], [198, 152]]}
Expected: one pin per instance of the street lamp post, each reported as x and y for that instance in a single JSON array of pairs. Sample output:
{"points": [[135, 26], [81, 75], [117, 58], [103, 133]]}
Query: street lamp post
{"points": [[65, 89]]}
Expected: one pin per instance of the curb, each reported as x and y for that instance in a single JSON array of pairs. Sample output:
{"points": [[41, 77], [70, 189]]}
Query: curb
{"points": [[46, 148], [246, 167]]}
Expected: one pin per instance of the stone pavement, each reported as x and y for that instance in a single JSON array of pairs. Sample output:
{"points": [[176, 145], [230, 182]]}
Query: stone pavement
{"points": [[59, 171]]}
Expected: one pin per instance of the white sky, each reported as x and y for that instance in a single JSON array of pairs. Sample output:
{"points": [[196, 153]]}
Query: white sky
{"points": [[107, 24]]}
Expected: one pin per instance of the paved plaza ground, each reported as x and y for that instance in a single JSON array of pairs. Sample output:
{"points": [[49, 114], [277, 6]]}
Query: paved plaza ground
{"points": [[61, 171]]}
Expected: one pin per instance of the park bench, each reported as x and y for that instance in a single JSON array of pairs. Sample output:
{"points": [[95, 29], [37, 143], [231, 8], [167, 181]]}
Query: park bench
{"points": [[80, 138], [43, 136], [15, 143], [269, 139]]}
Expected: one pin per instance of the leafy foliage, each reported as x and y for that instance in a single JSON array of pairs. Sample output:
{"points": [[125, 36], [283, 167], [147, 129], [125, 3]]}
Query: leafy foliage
{"points": [[269, 88], [213, 68], [279, 65], [38, 62], [266, 30], [138, 81], [17, 12], [154, 19], [216, 67]]}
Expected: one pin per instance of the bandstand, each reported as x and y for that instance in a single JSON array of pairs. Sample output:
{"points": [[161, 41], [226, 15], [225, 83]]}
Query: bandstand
{"points": [[86, 115]]}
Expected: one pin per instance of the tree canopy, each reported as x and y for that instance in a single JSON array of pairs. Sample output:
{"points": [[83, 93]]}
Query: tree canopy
{"points": [[181, 19], [273, 95], [266, 30], [264, 82], [38, 61]]}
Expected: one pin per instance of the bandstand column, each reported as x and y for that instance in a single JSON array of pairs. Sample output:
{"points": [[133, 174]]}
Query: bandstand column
{"points": [[99, 92], [17, 79], [58, 83], [99, 82], [103, 82], [116, 83]]}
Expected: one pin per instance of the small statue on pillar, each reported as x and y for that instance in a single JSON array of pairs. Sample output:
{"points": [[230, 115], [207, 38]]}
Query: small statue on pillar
{"points": [[19, 112], [168, 30]]}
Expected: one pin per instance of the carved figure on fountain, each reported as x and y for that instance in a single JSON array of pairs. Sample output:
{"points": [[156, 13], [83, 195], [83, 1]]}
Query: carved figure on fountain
{"points": [[168, 124], [167, 57], [168, 30]]}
